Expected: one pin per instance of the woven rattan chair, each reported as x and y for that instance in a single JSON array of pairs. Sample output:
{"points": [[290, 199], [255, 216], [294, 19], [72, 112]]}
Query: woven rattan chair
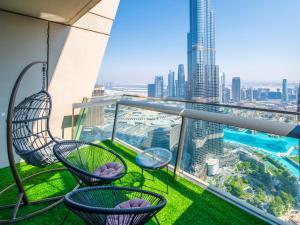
{"points": [[109, 205], [91, 164], [32, 138]]}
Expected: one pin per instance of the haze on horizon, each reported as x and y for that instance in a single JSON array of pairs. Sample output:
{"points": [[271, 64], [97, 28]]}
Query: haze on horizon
{"points": [[257, 40]]}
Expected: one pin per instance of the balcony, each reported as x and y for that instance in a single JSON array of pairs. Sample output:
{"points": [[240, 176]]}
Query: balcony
{"points": [[234, 180]]}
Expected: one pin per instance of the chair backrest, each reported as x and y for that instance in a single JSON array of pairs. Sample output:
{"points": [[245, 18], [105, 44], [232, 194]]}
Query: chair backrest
{"points": [[32, 139]]}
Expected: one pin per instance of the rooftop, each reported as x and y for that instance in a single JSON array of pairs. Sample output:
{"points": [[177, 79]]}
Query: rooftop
{"points": [[186, 201]]}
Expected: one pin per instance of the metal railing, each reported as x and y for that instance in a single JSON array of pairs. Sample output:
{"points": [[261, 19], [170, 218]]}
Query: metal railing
{"points": [[88, 103], [216, 104], [277, 128]]}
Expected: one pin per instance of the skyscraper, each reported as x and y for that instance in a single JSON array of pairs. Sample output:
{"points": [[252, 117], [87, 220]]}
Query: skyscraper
{"points": [[203, 73], [249, 94], [236, 89], [159, 86], [284, 91], [223, 80], [205, 138], [181, 81], [171, 84], [151, 90], [227, 95], [298, 102], [243, 93]]}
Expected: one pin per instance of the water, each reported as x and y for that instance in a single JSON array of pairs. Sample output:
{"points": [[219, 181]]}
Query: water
{"points": [[267, 144], [270, 144]]}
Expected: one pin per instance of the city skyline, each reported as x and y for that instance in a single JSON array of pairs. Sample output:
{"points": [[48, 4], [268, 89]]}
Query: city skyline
{"points": [[123, 48]]}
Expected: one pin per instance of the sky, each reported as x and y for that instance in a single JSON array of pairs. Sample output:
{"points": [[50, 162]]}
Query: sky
{"points": [[258, 40]]}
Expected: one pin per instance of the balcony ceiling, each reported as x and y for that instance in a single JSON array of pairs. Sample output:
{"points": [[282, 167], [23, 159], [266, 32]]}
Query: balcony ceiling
{"points": [[61, 11]]}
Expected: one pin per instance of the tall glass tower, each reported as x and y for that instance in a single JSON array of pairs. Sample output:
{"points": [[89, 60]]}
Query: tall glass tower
{"points": [[284, 97], [236, 89], [171, 84], [181, 81], [203, 73], [298, 101], [223, 83], [206, 139], [159, 86]]}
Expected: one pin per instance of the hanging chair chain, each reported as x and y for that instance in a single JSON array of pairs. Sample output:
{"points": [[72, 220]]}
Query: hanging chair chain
{"points": [[45, 77]]}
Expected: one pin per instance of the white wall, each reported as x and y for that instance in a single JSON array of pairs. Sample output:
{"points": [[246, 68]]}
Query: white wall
{"points": [[75, 55], [19, 46]]}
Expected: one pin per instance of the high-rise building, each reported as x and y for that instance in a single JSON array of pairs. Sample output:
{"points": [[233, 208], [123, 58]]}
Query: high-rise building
{"points": [[284, 95], [255, 94], [298, 102], [176, 88], [151, 90], [205, 138], [159, 86], [181, 81], [227, 95], [222, 91], [243, 93], [203, 73], [297, 90], [186, 88], [249, 94], [236, 89], [171, 84]]}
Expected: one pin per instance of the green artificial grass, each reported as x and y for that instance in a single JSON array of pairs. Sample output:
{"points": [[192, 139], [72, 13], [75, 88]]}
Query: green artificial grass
{"points": [[187, 203]]}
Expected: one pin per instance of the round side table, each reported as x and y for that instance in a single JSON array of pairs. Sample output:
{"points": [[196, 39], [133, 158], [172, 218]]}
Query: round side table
{"points": [[154, 159]]}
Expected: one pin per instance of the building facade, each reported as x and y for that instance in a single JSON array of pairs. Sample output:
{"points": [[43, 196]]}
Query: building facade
{"points": [[222, 89], [298, 102], [284, 91], [151, 90], [159, 86], [249, 94], [236, 89], [205, 138], [181, 81], [171, 84], [227, 96]]}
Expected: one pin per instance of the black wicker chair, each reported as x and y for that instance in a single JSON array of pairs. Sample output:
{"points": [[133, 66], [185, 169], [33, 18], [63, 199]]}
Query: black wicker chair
{"points": [[91, 164], [109, 205], [32, 138]]}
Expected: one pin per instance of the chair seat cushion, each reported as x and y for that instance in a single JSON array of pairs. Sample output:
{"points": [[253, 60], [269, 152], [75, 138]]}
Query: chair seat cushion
{"points": [[133, 203], [126, 219], [109, 170]]}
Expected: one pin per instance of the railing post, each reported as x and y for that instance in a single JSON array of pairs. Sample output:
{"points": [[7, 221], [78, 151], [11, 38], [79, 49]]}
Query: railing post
{"points": [[115, 124], [180, 147]]}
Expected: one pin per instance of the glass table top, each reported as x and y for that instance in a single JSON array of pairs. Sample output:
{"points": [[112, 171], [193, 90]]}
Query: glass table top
{"points": [[154, 158]]}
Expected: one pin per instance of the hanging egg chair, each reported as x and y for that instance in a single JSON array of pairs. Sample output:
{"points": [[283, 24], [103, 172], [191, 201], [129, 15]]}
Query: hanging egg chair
{"points": [[29, 136]]}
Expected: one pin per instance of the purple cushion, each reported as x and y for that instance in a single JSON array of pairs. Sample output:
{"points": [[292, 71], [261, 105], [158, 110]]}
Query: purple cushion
{"points": [[125, 219], [109, 170], [133, 203]]}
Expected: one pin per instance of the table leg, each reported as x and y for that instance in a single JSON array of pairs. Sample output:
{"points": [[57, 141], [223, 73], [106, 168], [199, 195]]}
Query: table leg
{"points": [[168, 179]]}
